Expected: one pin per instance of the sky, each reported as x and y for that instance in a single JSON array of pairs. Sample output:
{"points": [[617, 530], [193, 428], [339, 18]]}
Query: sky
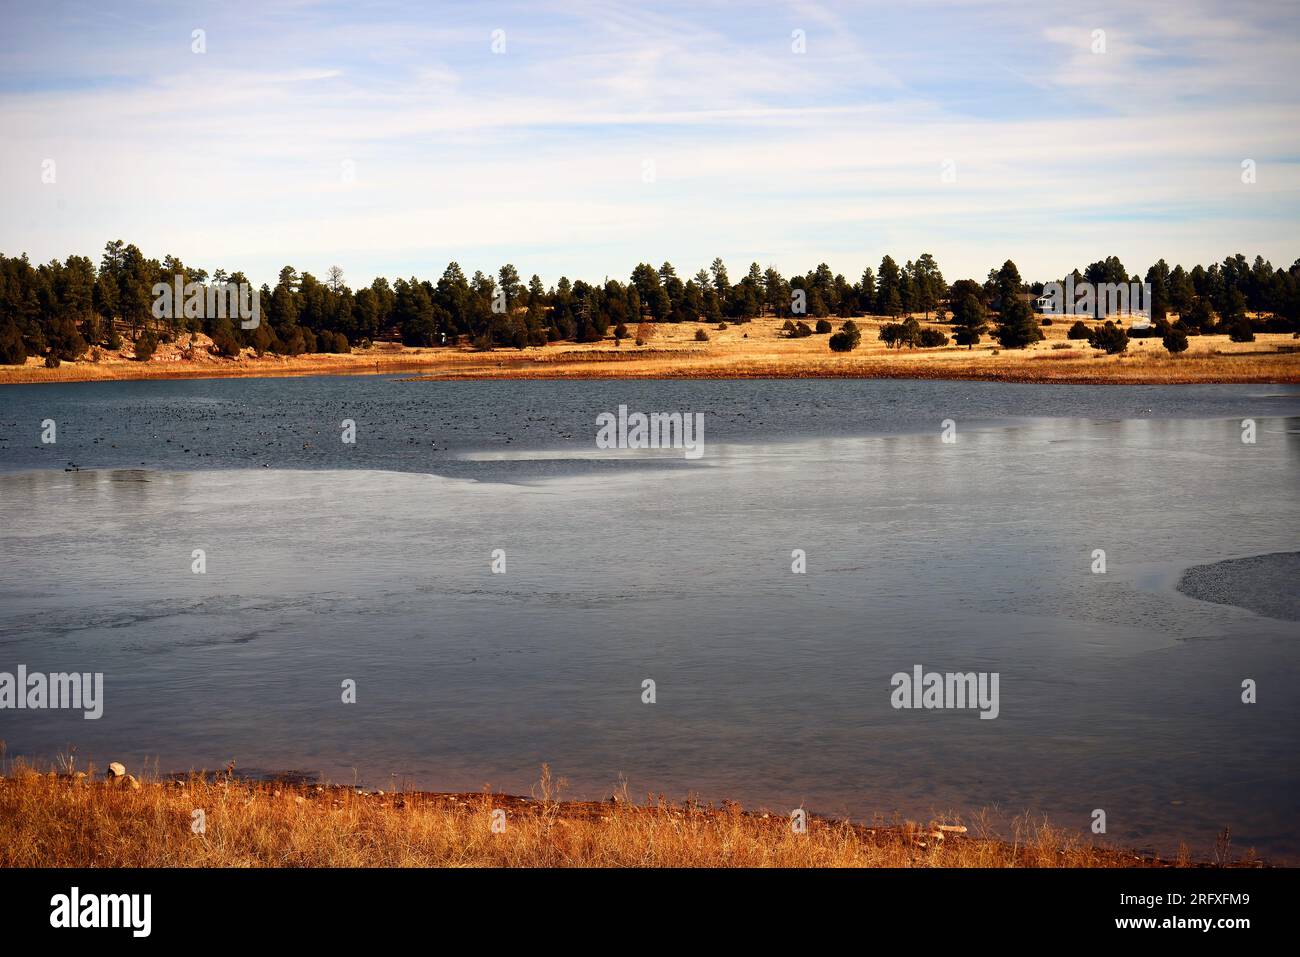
{"points": [[580, 139]]}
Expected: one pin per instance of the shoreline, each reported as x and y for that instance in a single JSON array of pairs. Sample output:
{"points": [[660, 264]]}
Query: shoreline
{"points": [[754, 350], [116, 820]]}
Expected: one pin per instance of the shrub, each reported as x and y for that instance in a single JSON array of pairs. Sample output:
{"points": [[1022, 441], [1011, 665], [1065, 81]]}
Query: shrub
{"points": [[145, 346], [516, 334], [899, 334], [721, 326], [264, 340], [930, 338], [1175, 341], [226, 345], [701, 335], [1241, 331], [1079, 330], [1200, 316], [12, 350], [620, 331], [329, 341], [847, 339], [1045, 321], [1110, 337], [823, 326], [64, 340], [1061, 345], [223, 339], [52, 361], [289, 342]]}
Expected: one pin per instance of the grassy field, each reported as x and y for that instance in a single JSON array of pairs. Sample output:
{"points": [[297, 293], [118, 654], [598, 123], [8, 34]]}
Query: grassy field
{"points": [[49, 820], [749, 350]]}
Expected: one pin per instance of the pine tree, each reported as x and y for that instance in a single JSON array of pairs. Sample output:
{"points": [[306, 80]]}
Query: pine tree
{"points": [[968, 316], [1017, 326], [888, 298]]}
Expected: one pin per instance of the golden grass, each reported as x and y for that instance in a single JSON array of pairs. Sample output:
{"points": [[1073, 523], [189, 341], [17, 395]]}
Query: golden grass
{"points": [[49, 820], [748, 350]]}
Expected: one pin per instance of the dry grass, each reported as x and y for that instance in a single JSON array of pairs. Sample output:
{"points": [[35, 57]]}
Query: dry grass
{"points": [[746, 350], [49, 820], [756, 350]]}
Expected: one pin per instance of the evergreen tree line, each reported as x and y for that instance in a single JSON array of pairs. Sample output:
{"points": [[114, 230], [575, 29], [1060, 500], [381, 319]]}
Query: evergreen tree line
{"points": [[60, 310]]}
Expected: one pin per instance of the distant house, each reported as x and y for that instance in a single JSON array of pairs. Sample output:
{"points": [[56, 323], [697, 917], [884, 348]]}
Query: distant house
{"points": [[1036, 303]]}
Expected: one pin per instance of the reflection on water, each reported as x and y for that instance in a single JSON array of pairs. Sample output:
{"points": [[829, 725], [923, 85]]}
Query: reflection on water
{"points": [[1117, 692], [429, 426]]}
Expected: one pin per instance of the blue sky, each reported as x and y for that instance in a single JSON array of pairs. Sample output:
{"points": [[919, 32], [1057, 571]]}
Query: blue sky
{"points": [[389, 138]]}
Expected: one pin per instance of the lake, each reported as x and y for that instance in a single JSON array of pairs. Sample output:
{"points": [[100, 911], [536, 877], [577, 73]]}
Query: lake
{"points": [[328, 562]]}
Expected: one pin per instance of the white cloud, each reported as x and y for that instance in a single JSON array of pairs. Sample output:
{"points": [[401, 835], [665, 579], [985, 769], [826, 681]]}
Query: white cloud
{"points": [[1062, 155]]}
